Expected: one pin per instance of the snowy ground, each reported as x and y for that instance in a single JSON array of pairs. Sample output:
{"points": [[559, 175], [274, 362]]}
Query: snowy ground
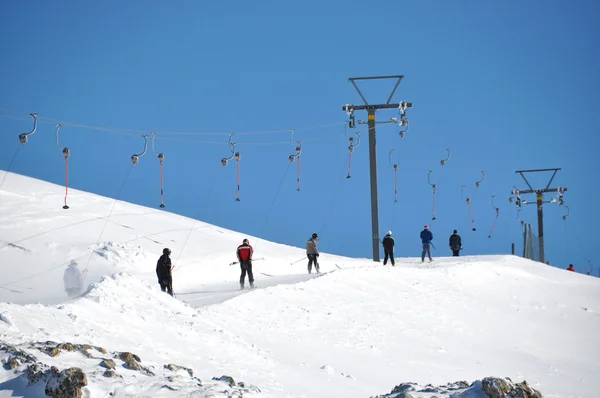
{"points": [[356, 330]]}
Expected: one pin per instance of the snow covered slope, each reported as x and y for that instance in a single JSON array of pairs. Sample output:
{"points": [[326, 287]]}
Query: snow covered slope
{"points": [[357, 330]]}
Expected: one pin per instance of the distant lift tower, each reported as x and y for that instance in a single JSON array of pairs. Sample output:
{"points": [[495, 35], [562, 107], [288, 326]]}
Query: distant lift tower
{"points": [[539, 201], [370, 108]]}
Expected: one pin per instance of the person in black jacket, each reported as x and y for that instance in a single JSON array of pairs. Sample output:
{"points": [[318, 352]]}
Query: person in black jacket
{"points": [[163, 272], [455, 243], [388, 248]]}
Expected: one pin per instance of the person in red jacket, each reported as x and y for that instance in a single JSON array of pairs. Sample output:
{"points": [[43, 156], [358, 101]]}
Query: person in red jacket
{"points": [[244, 255], [571, 268]]}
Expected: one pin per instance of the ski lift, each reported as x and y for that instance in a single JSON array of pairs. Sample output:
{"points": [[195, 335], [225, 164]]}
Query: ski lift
{"points": [[237, 157], [66, 153], [134, 157], [496, 219], [351, 149], [292, 158], [568, 213], [395, 166], [443, 161], [434, 187], [478, 183], [23, 137], [161, 159]]}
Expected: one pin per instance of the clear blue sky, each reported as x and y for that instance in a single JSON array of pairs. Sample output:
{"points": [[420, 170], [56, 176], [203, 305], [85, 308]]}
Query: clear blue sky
{"points": [[505, 85]]}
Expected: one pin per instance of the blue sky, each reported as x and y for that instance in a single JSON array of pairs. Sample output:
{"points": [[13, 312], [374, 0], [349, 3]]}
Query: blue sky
{"points": [[505, 85]]}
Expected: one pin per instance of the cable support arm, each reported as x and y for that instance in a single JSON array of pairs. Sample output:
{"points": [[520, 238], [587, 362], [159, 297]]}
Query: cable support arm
{"points": [[443, 161], [231, 149], [134, 157], [23, 137], [478, 183]]}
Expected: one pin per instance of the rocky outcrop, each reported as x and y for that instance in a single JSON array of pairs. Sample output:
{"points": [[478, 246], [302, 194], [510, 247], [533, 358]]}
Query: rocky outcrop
{"points": [[237, 387], [494, 387], [108, 364], [66, 384], [491, 387], [122, 367], [176, 368]]}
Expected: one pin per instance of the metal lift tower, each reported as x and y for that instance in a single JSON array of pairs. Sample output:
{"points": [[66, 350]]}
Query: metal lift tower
{"points": [[371, 108]]}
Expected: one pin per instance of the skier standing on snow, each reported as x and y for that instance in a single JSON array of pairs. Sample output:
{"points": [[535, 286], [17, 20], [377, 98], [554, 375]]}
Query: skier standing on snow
{"points": [[455, 243], [426, 238], [244, 254], [571, 268], [312, 252], [163, 272], [388, 248], [73, 279]]}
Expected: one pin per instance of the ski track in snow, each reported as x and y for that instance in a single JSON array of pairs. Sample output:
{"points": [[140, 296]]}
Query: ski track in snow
{"points": [[356, 330]]}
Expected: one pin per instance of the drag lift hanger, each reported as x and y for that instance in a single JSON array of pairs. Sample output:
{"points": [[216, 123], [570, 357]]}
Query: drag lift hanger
{"points": [[237, 157]]}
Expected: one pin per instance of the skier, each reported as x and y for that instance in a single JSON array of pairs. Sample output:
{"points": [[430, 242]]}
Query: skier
{"points": [[571, 268], [455, 243], [244, 254], [73, 279], [312, 253], [426, 238], [388, 248], [164, 269]]}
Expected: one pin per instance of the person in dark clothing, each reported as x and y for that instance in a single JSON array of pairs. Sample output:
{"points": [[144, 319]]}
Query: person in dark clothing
{"points": [[426, 238], [312, 252], [244, 254], [388, 248], [163, 272], [455, 243]]}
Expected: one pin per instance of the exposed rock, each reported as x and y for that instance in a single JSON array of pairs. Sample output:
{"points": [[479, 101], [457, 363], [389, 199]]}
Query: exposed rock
{"points": [[491, 387], [66, 384], [133, 365], [248, 388], [100, 349], [127, 356], [35, 372], [108, 364], [523, 390], [7, 347], [53, 352], [495, 388], [67, 347], [20, 355], [176, 368], [226, 379], [404, 388], [13, 363], [86, 353], [109, 373]]}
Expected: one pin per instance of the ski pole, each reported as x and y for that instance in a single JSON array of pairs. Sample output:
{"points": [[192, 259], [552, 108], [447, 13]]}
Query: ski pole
{"points": [[256, 259], [298, 260]]}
